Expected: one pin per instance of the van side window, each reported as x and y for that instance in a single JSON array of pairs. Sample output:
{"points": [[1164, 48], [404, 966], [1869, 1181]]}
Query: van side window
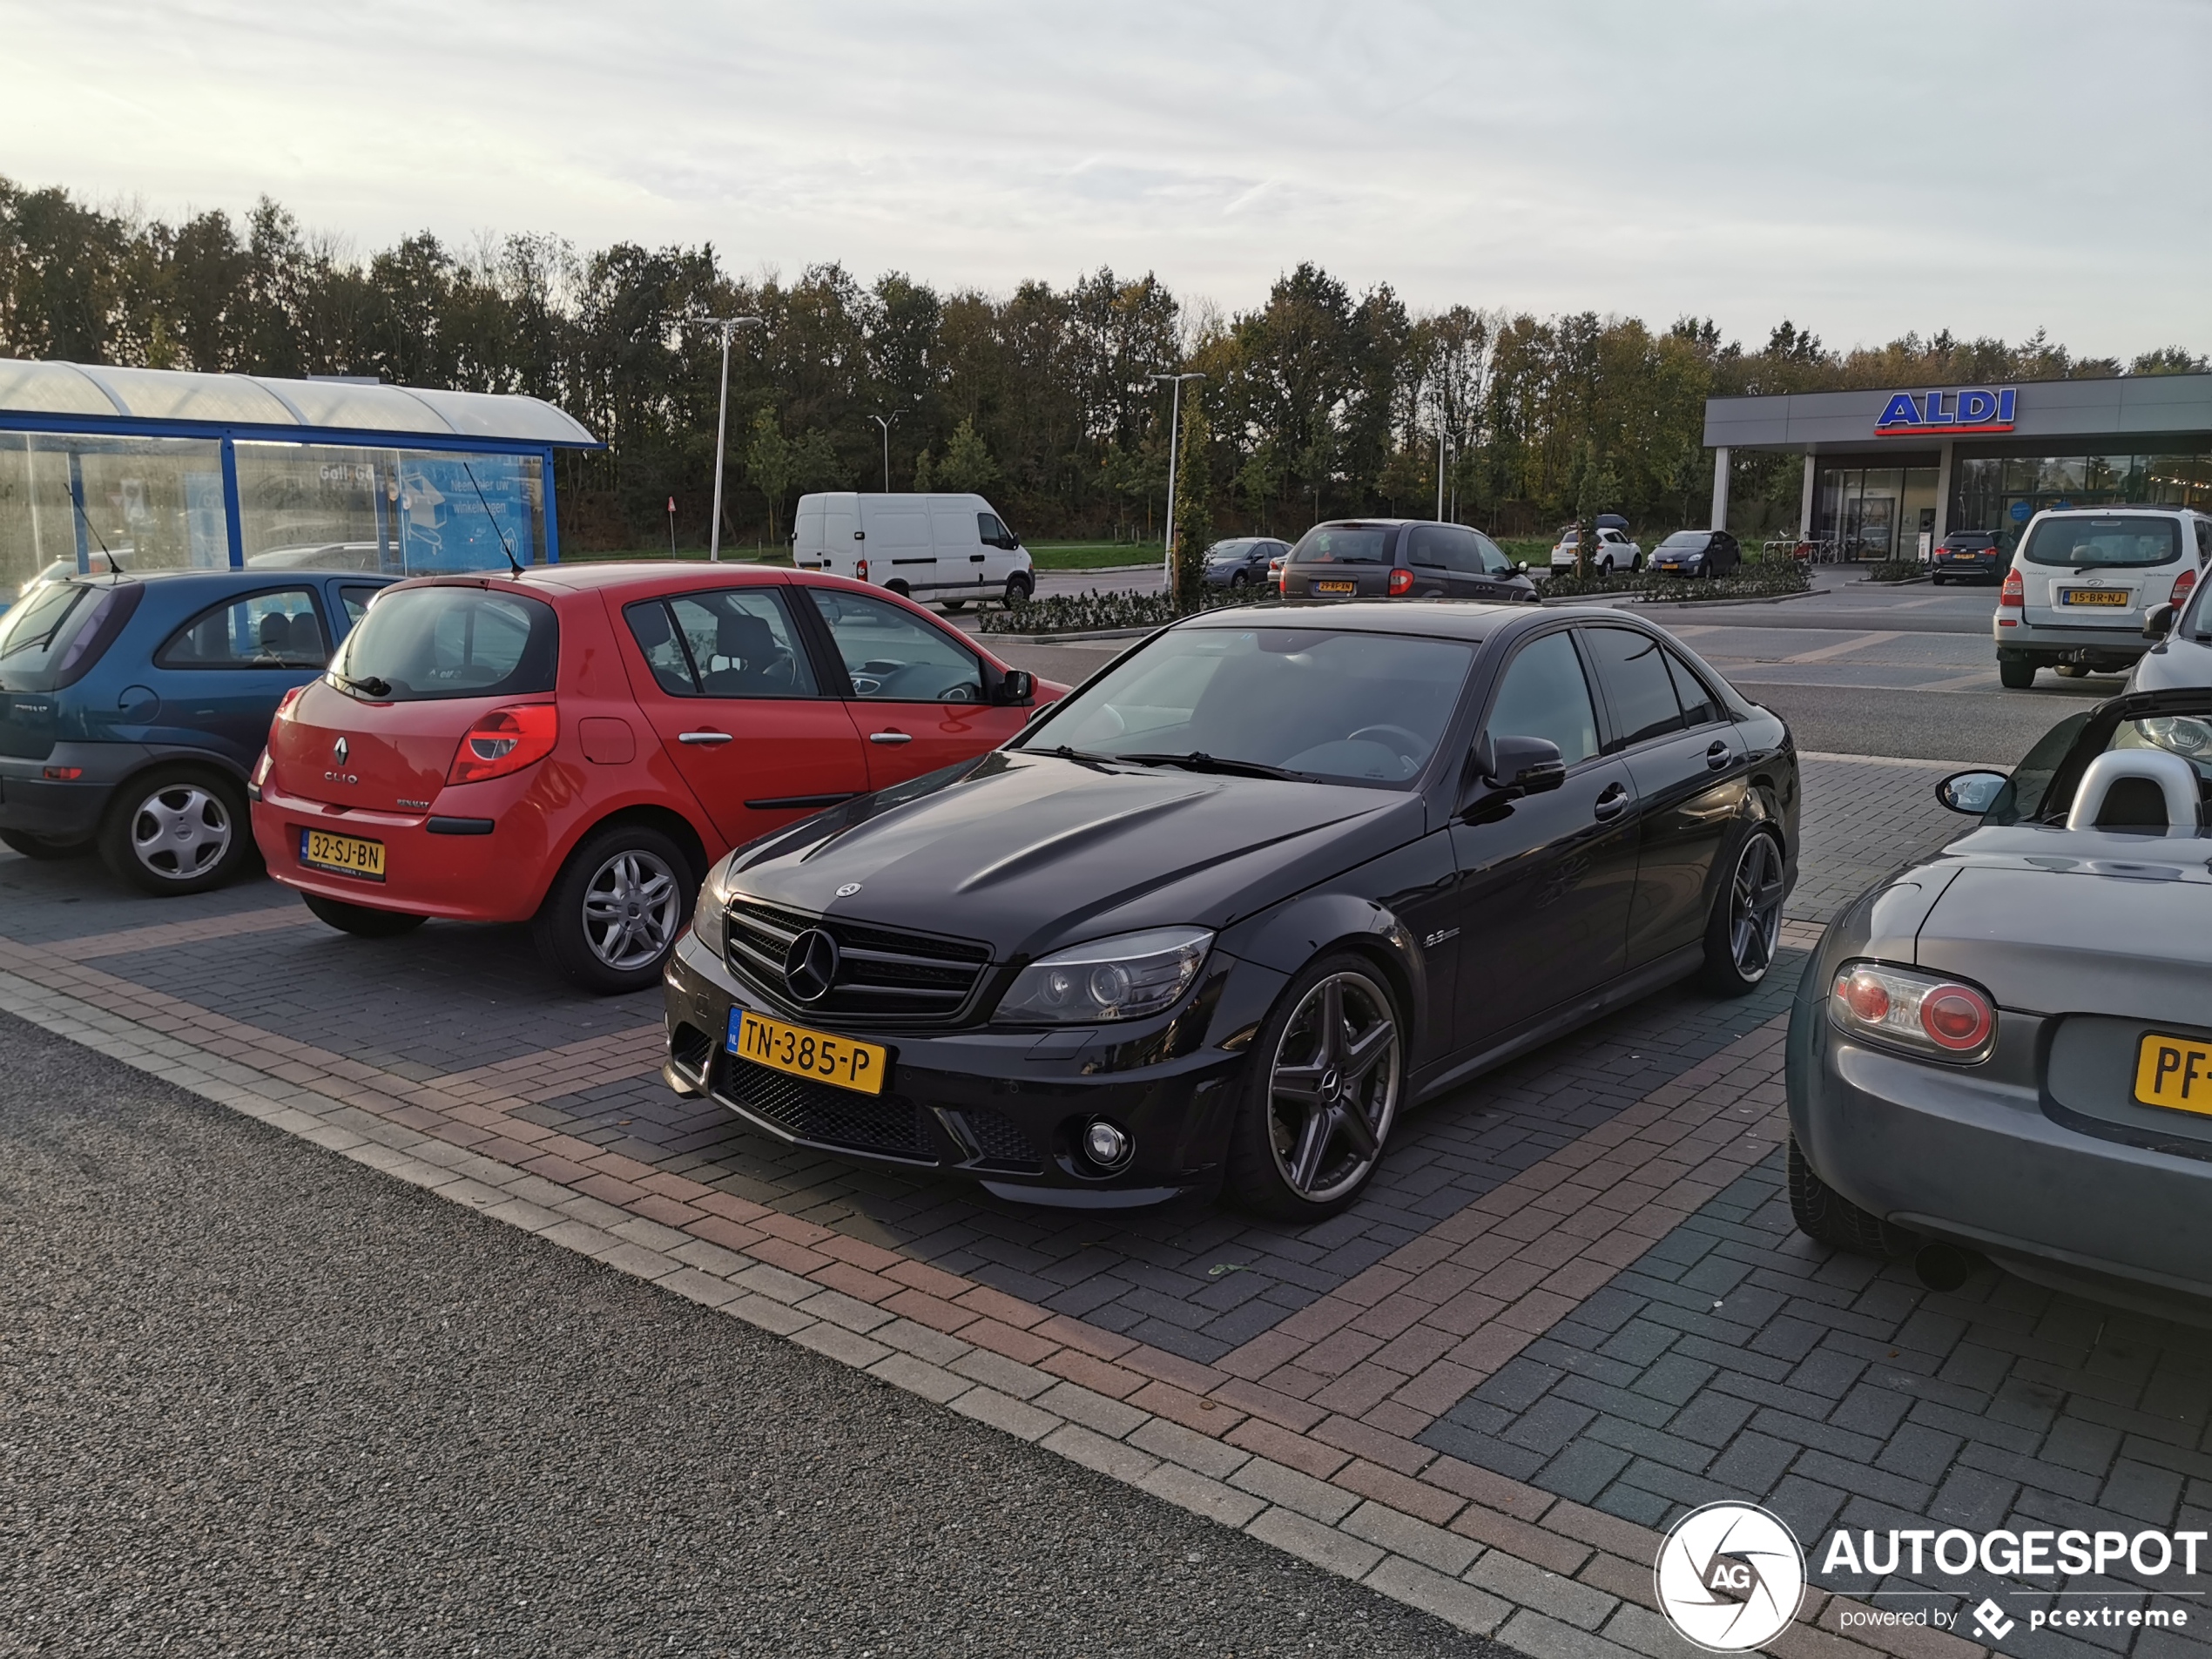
{"points": [[993, 532], [278, 629]]}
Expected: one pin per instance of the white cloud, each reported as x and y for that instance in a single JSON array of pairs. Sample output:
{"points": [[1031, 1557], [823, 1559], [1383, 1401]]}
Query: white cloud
{"points": [[1990, 165]]}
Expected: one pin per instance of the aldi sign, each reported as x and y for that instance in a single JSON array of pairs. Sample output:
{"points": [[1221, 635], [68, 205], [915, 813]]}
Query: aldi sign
{"points": [[1922, 414]]}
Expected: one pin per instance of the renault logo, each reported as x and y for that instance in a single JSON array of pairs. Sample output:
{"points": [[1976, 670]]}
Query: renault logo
{"points": [[338, 751], [810, 966]]}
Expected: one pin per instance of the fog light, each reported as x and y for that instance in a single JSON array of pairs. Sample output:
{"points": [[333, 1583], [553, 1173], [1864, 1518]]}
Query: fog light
{"points": [[1106, 1144]]}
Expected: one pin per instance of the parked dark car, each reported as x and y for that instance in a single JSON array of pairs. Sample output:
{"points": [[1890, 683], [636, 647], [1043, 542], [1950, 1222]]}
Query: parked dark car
{"points": [[133, 709], [2007, 1045], [1698, 553], [1223, 913], [1400, 558], [1967, 556], [1242, 562]]}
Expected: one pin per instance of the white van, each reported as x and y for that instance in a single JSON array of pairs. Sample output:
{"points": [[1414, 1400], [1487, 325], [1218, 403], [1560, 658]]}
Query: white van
{"points": [[951, 549]]}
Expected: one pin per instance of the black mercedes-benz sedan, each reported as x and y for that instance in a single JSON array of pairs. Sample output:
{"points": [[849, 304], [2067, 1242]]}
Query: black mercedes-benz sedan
{"points": [[1217, 919]]}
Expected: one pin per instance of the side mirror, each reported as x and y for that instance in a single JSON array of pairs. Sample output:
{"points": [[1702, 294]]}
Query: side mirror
{"points": [[2158, 622], [1521, 567], [1017, 685], [1971, 792], [1507, 767]]}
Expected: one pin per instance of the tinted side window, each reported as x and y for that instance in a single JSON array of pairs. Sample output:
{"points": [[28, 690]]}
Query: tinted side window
{"points": [[2203, 540], [1639, 692], [1545, 695], [1699, 707], [892, 655], [278, 629], [1432, 545], [1493, 557], [992, 531]]}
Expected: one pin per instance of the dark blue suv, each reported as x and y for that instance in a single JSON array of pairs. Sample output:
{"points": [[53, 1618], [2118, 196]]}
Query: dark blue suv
{"points": [[133, 707]]}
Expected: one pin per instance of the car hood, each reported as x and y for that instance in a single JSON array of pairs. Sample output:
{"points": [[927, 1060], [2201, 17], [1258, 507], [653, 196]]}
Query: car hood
{"points": [[1029, 852], [2072, 921]]}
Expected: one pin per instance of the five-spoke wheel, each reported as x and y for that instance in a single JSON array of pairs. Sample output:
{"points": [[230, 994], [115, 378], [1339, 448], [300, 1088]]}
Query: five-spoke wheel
{"points": [[1746, 925]]}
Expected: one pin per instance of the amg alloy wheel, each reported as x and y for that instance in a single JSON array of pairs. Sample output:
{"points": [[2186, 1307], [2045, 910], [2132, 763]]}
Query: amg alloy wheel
{"points": [[1746, 925], [1314, 1126]]}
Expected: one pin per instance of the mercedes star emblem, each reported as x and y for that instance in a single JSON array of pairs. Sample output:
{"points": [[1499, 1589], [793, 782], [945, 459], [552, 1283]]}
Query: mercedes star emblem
{"points": [[810, 966], [848, 889], [338, 751]]}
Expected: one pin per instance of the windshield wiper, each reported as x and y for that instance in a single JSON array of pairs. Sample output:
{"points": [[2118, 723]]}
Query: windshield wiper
{"points": [[1081, 757], [368, 685], [1197, 760]]}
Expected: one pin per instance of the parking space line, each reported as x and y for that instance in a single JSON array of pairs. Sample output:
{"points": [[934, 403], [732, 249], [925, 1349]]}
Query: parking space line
{"points": [[1858, 642]]}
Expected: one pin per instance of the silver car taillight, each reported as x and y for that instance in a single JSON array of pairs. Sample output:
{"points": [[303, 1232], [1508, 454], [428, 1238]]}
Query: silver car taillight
{"points": [[1922, 1014]]}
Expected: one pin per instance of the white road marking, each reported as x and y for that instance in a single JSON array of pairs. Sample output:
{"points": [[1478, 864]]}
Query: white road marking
{"points": [[1858, 642]]}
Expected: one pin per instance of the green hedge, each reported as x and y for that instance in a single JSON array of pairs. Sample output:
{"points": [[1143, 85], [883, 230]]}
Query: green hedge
{"points": [[1082, 613], [1754, 581]]}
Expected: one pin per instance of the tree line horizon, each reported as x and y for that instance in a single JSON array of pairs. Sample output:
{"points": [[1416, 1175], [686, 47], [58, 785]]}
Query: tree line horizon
{"points": [[1317, 403]]}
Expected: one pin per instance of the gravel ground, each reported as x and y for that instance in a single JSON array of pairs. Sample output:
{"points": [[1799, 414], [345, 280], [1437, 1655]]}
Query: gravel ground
{"points": [[261, 1400]]}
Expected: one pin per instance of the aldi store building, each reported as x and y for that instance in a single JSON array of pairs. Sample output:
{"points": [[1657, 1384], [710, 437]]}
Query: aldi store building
{"points": [[1884, 468]]}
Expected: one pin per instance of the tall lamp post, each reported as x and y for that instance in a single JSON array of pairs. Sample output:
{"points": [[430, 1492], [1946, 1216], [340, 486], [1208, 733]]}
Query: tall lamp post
{"points": [[1175, 437], [886, 426], [727, 325]]}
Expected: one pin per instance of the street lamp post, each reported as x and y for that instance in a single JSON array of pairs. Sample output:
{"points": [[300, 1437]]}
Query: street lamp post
{"points": [[1175, 437], [886, 426], [727, 325]]}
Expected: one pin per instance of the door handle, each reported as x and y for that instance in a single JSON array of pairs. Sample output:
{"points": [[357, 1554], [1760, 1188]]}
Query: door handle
{"points": [[1611, 802], [1718, 756], [707, 738], [890, 737]]}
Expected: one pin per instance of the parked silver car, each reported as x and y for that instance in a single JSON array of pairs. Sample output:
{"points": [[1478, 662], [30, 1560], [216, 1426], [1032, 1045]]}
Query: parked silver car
{"points": [[2084, 579], [2007, 1046]]}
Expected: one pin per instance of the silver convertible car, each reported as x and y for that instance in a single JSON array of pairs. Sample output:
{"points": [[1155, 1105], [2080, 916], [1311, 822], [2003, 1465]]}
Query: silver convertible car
{"points": [[2006, 1047]]}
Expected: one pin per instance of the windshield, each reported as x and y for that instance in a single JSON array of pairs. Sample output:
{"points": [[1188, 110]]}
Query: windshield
{"points": [[1343, 544], [1223, 552], [418, 644], [1688, 540], [2041, 788], [1345, 707], [2104, 541]]}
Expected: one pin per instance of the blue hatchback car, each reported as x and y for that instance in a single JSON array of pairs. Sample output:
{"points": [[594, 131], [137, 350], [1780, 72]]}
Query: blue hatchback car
{"points": [[133, 707]]}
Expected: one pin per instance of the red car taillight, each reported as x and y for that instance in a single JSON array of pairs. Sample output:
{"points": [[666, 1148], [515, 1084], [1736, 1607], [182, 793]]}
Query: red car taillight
{"points": [[860, 569], [1401, 580], [503, 741], [2015, 593], [1913, 1011], [2184, 584]]}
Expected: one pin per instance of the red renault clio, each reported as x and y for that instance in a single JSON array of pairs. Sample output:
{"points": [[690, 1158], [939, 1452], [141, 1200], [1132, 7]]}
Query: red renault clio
{"points": [[576, 744]]}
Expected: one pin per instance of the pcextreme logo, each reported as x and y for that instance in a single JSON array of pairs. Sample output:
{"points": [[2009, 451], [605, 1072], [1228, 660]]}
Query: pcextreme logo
{"points": [[1729, 1576]]}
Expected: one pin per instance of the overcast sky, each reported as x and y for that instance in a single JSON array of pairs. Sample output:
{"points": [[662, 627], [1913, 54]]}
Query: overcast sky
{"points": [[1990, 165]]}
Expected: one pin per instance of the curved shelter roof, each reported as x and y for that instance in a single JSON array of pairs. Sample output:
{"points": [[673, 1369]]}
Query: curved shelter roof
{"points": [[157, 401]]}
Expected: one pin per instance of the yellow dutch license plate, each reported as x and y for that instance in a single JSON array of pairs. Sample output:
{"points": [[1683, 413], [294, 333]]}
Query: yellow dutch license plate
{"points": [[2174, 1072], [2092, 596], [343, 854], [794, 1049], [1336, 587]]}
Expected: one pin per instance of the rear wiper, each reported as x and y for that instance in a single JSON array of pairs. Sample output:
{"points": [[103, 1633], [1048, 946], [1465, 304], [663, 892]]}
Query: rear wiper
{"points": [[1199, 761], [368, 685]]}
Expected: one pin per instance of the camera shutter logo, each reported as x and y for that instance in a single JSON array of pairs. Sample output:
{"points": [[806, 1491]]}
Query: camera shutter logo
{"points": [[1729, 1576]]}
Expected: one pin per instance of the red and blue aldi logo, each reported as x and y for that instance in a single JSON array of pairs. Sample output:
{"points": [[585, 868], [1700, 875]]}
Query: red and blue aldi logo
{"points": [[1948, 414]]}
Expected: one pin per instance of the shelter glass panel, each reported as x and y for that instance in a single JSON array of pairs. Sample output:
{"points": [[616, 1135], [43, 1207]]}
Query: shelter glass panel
{"points": [[81, 504], [407, 512]]}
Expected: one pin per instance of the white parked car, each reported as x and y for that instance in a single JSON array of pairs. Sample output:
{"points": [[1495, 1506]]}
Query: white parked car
{"points": [[951, 549], [2082, 579], [1615, 552]]}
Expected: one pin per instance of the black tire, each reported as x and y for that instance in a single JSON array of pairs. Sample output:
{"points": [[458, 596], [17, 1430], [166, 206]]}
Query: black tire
{"points": [[42, 847], [617, 909], [177, 829], [1935, 581], [1238, 579], [361, 920], [953, 606], [1745, 925], [1825, 1214], [2015, 676], [1260, 1176], [1018, 588], [900, 589]]}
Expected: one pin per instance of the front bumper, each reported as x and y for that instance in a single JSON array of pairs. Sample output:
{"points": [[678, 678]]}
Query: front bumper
{"points": [[1970, 1154], [1003, 1108]]}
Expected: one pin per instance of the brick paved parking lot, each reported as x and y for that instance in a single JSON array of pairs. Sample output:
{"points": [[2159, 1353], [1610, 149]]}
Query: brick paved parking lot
{"points": [[1572, 1308]]}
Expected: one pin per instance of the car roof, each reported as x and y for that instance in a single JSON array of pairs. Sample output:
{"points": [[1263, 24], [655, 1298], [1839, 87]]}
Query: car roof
{"points": [[2110, 508], [221, 579]]}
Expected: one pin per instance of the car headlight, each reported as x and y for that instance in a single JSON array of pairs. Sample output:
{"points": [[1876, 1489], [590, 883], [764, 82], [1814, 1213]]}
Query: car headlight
{"points": [[1923, 1013], [1123, 978], [708, 916]]}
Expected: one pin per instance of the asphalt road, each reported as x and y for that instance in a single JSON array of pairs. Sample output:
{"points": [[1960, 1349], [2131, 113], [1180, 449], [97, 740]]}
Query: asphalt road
{"points": [[1855, 668], [261, 1400]]}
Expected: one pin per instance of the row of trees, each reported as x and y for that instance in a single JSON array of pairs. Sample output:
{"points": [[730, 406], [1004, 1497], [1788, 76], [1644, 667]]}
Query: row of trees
{"points": [[1317, 401]]}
